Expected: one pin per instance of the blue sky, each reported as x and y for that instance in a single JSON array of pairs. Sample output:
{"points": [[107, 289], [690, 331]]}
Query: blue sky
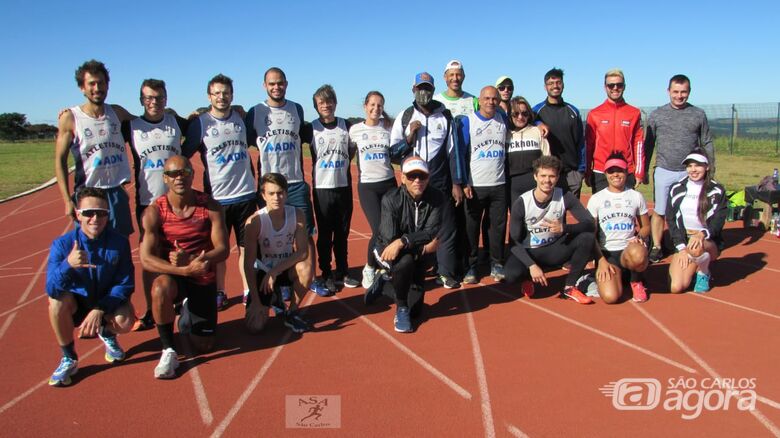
{"points": [[728, 49]]}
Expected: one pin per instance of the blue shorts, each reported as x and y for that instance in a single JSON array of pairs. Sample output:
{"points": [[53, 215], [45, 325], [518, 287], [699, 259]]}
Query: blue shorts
{"points": [[662, 182], [299, 196]]}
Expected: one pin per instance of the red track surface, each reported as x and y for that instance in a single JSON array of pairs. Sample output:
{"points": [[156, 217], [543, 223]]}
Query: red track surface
{"points": [[483, 362]]}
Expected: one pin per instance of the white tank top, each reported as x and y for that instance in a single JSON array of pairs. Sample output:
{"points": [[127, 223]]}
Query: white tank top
{"points": [[331, 147], [152, 144], [689, 207], [98, 150], [275, 245], [539, 235], [279, 141], [486, 153], [373, 151], [228, 165]]}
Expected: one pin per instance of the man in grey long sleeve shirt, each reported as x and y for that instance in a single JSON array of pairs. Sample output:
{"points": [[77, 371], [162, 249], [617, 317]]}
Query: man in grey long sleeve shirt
{"points": [[674, 130]]}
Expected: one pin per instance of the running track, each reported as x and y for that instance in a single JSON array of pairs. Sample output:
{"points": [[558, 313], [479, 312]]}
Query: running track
{"points": [[483, 362]]}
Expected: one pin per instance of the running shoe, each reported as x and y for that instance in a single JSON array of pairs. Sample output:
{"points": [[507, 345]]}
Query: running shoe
{"points": [[402, 321], [145, 322], [470, 277], [527, 288], [67, 368], [587, 283], [656, 254], [166, 368], [368, 277], [185, 322], [497, 272], [245, 298], [639, 291], [114, 352], [573, 293], [318, 288], [702, 284], [330, 285], [375, 290], [222, 300], [350, 282], [447, 282], [296, 323]]}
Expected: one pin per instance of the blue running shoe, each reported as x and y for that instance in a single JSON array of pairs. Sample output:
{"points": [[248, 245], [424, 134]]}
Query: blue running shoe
{"points": [[403, 321], [114, 352], [702, 285], [318, 288], [61, 376], [296, 323]]}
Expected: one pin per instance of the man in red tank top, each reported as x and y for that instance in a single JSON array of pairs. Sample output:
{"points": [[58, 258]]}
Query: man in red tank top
{"points": [[184, 239]]}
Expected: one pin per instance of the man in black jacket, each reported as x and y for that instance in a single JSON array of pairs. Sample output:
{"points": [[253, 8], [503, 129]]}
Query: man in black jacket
{"points": [[411, 217]]}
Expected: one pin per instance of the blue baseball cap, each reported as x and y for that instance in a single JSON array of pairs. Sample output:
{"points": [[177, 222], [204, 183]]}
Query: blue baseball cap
{"points": [[423, 78]]}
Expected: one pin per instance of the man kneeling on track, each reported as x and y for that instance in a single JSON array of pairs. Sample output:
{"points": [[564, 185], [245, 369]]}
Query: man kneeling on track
{"points": [[407, 242], [89, 280], [184, 239], [541, 238], [277, 258]]}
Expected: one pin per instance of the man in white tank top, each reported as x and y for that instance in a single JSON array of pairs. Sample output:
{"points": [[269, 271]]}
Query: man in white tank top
{"points": [[91, 132], [277, 257]]}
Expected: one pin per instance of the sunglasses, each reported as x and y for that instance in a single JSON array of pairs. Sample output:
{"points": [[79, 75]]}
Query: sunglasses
{"points": [[417, 176], [178, 172], [506, 88], [619, 85], [525, 114], [91, 212]]}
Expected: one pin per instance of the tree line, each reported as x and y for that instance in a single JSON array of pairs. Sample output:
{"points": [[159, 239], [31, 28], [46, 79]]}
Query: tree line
{"points": [[14, 126]]}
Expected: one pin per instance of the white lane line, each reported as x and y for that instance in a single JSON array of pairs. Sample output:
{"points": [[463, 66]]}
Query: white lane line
{"points": [[200, 395], [769, 402], [44, 382], [422, 362], [6, 324], [738, 306], [22, 258], [26, 274], [515, 432], [24, 230], [26, 268], [16, 210], [749, 265], [14, 309], [40, 205], [363, 235], [223, 425], [479, 365], [620, 341], [704, 365]]}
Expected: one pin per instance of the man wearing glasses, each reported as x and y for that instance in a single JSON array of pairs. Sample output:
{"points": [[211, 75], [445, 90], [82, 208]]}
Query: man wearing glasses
{"points": [[153, 138], [614, 126], [184, 241], [566, 134], [411, 216], [92, 133], [220, 137], [505, 88], [89, 280]]}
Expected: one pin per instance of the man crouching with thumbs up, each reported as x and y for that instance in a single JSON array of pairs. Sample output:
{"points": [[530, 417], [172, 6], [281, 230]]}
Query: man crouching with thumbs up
{"points": [[89, 280], [184, 239]]}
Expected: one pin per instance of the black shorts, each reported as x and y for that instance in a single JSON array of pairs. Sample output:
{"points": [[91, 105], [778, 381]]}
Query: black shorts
{"points": [[613, 257], [236, 216], [85, 305], [281, 280], [201, 303]]}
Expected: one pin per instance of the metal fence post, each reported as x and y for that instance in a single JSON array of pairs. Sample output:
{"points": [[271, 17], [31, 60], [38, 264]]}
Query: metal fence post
{"points": [[733, 128]]}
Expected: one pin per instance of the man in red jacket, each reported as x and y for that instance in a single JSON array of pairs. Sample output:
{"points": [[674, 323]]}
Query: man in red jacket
{"points": [[614, 126]]}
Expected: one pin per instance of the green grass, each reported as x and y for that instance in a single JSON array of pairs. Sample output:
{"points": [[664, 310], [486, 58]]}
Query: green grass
{"points": [[25, 165]]}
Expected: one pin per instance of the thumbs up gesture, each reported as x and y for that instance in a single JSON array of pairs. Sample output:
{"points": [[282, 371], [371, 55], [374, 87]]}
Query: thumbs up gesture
{"points": [[199, 265], [78, 258], [179, 257]]}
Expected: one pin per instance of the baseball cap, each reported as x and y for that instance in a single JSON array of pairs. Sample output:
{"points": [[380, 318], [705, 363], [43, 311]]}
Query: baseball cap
{"points": [[423, 78], [414, 164], [697, 157], [502, 79], [454, 64], [616, 162]]}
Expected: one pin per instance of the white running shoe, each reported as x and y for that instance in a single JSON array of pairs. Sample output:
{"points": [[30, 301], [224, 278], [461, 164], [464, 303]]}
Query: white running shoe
{"points": [[368, 277], [169, 361]]}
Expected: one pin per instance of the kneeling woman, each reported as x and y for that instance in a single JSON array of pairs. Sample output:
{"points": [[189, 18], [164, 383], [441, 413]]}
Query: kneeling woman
{"points": [[617, 211], [695, 214]]}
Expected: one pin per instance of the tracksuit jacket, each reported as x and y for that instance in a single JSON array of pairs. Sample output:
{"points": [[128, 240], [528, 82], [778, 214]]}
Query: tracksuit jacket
{"points": [[614, 127], [715, 217]]}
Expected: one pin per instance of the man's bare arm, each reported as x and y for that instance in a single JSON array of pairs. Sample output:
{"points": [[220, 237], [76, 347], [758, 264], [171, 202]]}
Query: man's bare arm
{"points": [[65, 127]]}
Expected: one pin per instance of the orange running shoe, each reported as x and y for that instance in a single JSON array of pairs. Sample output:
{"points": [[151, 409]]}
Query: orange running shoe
{"points": [[527, 287], [575, 294], [639, 291]]}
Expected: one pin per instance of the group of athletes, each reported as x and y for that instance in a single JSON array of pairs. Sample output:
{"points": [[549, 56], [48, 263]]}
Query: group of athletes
{"points": [[466, 162]]}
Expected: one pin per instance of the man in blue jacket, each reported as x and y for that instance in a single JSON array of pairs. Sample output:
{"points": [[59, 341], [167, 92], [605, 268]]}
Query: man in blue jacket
{"points": [[89, 280]]}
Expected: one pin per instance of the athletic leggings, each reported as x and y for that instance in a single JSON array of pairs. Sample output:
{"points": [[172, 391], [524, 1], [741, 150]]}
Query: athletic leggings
{"points": [[577, 250], [370, 195], [409, 271], [333, 209], [519, 184]]}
